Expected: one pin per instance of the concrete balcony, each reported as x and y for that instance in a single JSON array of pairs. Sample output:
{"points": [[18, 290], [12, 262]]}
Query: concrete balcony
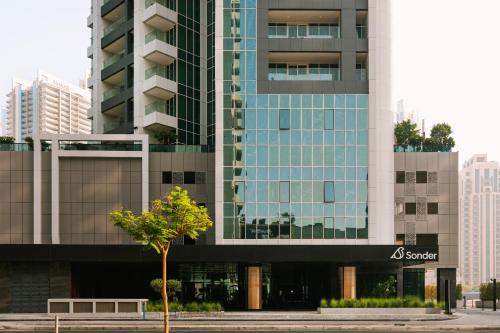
{"points": [[90, 52], [160, 52], [160, 87], [157, 120], [90, 82], [90, 21], [160, 17]]}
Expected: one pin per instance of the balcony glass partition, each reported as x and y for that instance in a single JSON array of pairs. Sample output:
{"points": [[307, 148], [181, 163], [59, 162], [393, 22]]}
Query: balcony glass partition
{"points": [[165, 107], [283, 30], [167, 72], [112, 92], [170, 4], [16, 147], [310, 72], [113, 59], [165, 36], [113, 26], [362, 31]]}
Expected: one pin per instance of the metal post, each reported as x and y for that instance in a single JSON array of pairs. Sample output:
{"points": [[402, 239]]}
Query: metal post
{"points": [[494, 294], [56, 324], [447, 297], [465, 302]]}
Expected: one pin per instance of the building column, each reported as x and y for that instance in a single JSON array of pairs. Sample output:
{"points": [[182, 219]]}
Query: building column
{"points": [[254, 287], [400, 282], [347, 278], [444, 274]]}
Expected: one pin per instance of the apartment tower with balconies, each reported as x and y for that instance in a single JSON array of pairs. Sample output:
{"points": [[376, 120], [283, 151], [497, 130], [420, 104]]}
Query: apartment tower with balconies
{"points": [[45, 105]]}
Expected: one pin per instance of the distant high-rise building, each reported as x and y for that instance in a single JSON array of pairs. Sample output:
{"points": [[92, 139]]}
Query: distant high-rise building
{"points": [[402, 114], [47, 104], [479, 198]]}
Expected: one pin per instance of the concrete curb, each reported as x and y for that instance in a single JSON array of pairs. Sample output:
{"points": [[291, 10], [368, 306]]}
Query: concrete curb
{"points": [[255, 328]]}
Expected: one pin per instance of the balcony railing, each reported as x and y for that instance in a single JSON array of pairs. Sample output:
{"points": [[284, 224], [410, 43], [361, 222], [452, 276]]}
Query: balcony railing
{"points": [[422, 148], [112, 59], [362, 31], [114, 25], [361, 74], [101, 146], [281, 30], [167, 72], [160, 148], [312, 72], [112, 92], [165, 107], [16, 147], [170, 4], [165, 36]]}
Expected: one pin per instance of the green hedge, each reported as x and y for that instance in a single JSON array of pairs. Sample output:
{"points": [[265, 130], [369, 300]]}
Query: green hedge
{"points": [[407, 302], [157, 306]]}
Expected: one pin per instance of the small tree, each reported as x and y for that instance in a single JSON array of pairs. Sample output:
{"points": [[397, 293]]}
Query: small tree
{"points": [[165, 137], [7, 140], [441, 136], [174, 287], [406, 134], [29, 140], [385, 288], [169, 218]]}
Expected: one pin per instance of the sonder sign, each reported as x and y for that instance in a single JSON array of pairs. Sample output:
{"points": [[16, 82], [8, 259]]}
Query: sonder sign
{"points": [[403, 253]]}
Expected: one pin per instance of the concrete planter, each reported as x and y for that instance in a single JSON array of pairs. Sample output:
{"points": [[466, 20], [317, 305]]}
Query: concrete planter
{"points": [[378, 311], [487, 304]]}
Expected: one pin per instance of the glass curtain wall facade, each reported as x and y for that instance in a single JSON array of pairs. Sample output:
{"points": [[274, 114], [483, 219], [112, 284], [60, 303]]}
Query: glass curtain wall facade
{"points": [[188, 76], [295, 165]]}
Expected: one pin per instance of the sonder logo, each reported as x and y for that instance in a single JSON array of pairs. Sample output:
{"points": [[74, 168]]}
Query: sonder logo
{"points": [[399, 253], [402, 253]]}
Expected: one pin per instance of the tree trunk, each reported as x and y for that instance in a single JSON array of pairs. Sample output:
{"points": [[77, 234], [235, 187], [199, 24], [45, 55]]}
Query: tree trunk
{"points": [[164, 252]]}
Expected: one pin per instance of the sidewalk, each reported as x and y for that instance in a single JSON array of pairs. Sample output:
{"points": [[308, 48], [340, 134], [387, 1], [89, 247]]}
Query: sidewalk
{"points": [[261, 322]]}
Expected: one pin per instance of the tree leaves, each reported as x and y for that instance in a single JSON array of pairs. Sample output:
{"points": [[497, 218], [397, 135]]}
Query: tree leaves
{"points": [[169, 218]]}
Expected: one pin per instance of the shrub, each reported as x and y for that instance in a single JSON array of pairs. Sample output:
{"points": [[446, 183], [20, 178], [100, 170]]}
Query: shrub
{"points": [[323, 303], [430, 304], [333, 303], [174, 287], [7, 140], [157, 306], [458, 292], [396, 303], [407, 302]]}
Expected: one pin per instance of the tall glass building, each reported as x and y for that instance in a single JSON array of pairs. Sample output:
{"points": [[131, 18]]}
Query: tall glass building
{"points": [[283, 130]]}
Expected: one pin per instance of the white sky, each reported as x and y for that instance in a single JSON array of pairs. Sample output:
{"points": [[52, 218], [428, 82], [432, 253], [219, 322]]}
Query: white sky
{"points": [[444, 56]]}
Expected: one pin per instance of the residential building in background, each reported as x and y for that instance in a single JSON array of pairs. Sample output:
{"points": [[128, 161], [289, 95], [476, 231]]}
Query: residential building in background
{"points": [[479, 221], [46, 105], [283, 119]]}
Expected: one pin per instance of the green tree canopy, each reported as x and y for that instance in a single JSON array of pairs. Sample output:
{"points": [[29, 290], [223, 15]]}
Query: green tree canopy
{"points": [[7, 140], [165, 137], [169, 218], [406, 133], [441, 135]]}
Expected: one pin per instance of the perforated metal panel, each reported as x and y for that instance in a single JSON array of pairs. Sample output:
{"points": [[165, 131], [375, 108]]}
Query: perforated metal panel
{"points": [[30, 287], [410, 235], [421, 208], [432, 183], [410, 183]]}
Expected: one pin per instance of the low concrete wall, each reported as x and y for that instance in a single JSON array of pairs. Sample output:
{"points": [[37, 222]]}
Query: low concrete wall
{"points": [[379, 311], [487, 304], [95, 306]]}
